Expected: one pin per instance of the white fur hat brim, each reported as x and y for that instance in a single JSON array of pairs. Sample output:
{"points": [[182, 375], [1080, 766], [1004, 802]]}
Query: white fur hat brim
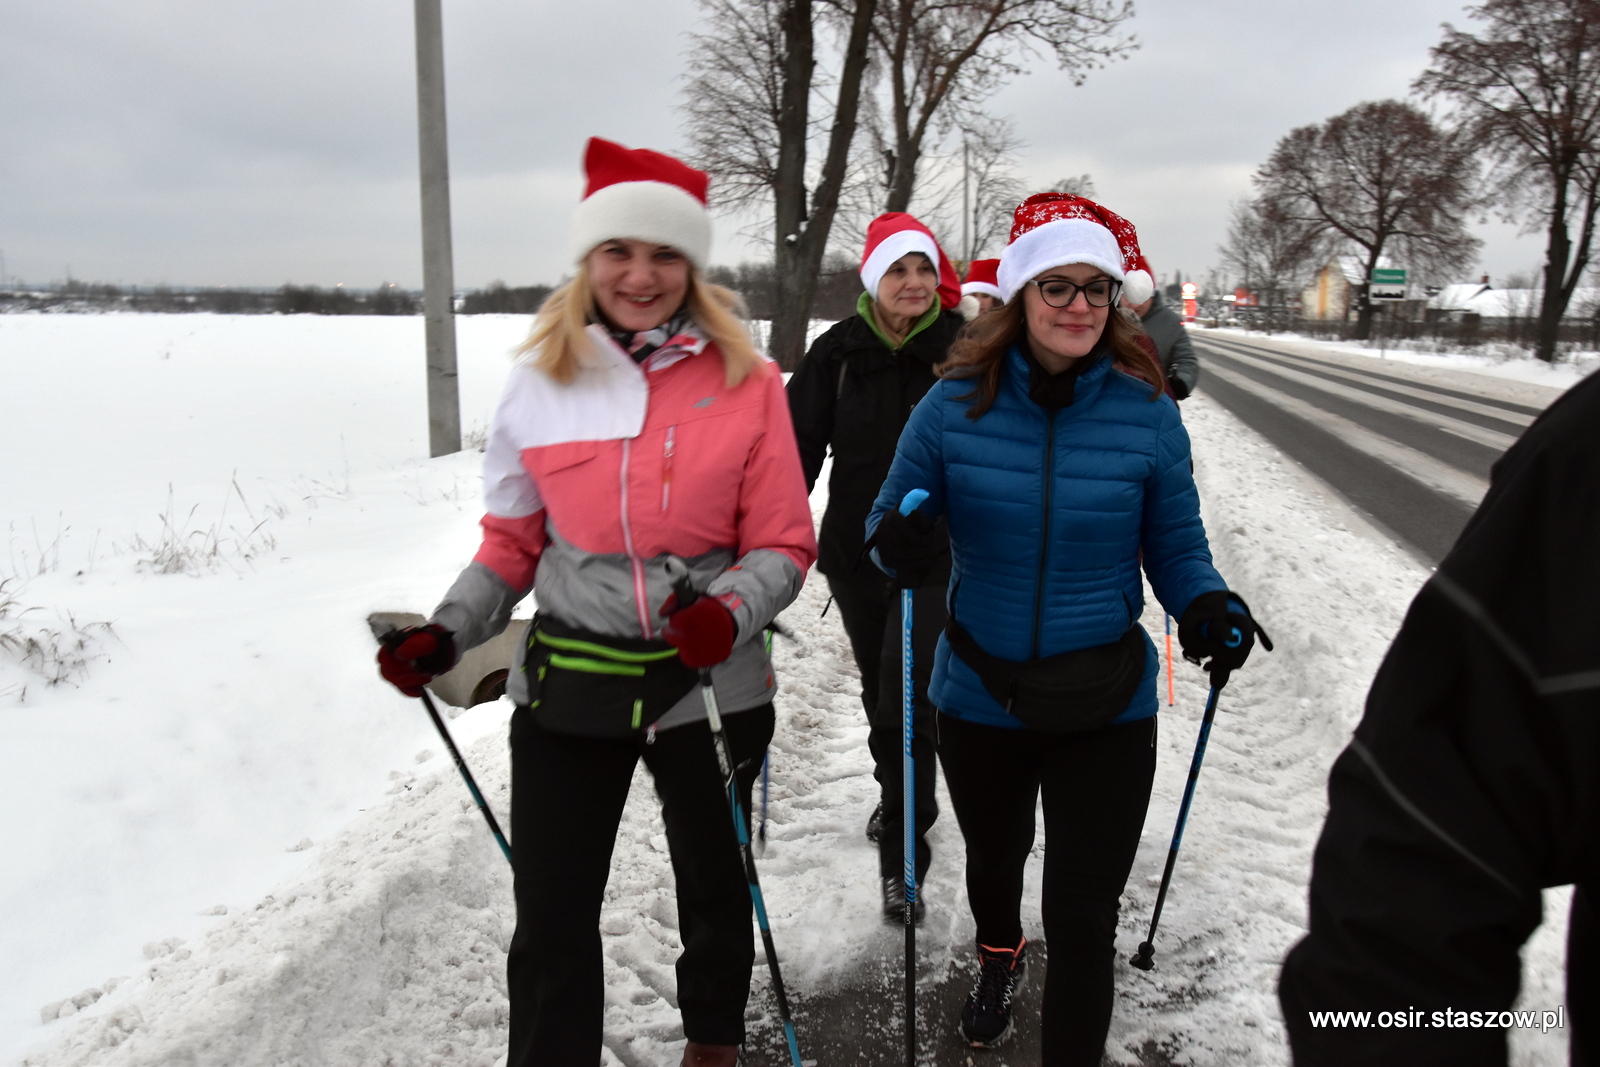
{"points": [[890, 249], [644, 211], [1058, 243], [986, 288]]}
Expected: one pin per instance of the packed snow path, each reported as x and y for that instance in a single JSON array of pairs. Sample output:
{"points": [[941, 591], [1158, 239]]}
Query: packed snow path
{"points": [[1410, 446], [386, 945]]}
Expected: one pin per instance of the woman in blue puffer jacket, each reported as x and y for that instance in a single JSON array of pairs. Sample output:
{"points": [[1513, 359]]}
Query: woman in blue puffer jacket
{"points": [[1061, 467]]}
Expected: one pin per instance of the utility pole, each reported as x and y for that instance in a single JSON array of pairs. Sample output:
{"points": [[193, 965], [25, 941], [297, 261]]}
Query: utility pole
{"points": [[438, 274], [966, 210]]}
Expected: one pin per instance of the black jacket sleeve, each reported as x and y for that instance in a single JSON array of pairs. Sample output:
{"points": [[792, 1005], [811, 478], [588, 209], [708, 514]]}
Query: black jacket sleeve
{"points": [[811, 399], [1472, 780]]}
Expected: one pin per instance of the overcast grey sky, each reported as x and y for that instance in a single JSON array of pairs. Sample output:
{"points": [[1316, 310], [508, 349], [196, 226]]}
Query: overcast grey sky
{"points": [[236, 143]]}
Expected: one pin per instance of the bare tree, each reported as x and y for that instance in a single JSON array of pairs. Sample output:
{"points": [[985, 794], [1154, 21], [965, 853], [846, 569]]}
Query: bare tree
{"points": [[1271, 253], [748, 108], [941, 58], [1077, 185], [1380, 178], [1527, 90]]}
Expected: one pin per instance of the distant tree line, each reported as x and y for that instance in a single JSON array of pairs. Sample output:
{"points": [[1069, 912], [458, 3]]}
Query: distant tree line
{"points": [[75, 295]]}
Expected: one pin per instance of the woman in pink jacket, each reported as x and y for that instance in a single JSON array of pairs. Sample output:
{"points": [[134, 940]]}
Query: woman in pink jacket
{"points": [[642, 425]]}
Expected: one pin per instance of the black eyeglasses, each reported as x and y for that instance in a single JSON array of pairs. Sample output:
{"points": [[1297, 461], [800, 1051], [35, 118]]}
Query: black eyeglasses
{"points": [[1102, 292]]}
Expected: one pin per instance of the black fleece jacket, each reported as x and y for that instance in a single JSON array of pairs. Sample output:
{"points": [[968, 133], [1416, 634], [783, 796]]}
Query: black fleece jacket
{"points": [[853, 394], [1473, 781]]}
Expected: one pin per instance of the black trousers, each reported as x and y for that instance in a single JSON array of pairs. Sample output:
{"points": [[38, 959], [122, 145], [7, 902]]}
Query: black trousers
{"points": [[567, 795], [869, 606], [1095, 787]]}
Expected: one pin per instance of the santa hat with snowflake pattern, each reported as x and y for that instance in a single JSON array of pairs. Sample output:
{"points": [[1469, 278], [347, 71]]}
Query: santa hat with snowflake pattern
{"points": [[1057, 229], [644, 195], [895, 234]]}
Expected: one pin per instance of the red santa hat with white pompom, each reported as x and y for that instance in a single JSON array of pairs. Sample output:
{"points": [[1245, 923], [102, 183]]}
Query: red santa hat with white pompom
{"points": [[981, 278], [644, 195], [1058, 229], [895, 234]]}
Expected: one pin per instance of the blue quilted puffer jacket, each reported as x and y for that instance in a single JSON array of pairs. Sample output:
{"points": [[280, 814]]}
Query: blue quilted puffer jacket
{"points": [[1049, 513]]}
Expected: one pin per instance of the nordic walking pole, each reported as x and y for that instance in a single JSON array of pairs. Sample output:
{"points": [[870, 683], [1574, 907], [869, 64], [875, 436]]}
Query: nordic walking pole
{"points": [[908, 794], [466, 775], [455, 754], [1170, 699], [1145, 958], [686, 593], [766, 793]]}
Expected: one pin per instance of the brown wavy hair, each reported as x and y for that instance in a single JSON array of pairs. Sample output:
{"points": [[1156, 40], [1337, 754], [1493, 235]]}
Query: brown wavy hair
{"points": [[979, 351]]}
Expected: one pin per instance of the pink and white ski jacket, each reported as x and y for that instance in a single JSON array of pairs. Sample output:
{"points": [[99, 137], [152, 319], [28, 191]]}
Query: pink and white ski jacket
{"points": [[589, 486]]}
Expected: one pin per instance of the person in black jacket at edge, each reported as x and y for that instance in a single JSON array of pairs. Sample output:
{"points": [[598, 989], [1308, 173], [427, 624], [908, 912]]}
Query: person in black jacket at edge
{"points": [[852, 393], [1472, 782]]}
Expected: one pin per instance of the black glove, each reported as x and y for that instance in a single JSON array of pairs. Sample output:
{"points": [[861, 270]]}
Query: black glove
{"points": [[411, 658], [1217, 627], [1180, 389], [913, 545]]}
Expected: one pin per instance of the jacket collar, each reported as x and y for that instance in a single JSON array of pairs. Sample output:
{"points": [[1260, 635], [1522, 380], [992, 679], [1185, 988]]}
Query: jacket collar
{"points": [[864, 308], [1092, 372]]}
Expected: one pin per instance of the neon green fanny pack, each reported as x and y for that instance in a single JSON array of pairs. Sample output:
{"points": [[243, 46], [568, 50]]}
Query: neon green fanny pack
{"points": [[596, 685]]}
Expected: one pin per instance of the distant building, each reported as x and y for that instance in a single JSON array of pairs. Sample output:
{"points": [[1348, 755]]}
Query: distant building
{"points": [[1493, 306], [1333, 291]]}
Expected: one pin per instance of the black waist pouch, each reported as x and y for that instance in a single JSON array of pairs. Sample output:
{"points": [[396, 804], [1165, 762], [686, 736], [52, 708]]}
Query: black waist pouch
{"points": [[595, 685], [1080, 690]]}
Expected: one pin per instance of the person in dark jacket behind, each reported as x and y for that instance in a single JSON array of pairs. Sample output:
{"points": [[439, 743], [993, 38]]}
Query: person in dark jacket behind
{"points": [[852, 393], [1472, 782], [1165, 327], [1062, 470]]}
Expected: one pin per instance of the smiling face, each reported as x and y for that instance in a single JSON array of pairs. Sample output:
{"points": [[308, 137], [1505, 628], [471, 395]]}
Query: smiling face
{"points": [[907, 291], [1060, 336], [637, 285]]}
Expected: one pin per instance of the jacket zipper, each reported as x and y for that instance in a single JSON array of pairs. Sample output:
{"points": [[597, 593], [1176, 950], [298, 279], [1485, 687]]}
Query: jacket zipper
{"points": [[641, 597], [1044, 530], [666, 469]]}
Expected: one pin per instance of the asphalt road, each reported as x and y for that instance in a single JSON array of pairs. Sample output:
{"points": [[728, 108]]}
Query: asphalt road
{"points": [[1409, 447]]}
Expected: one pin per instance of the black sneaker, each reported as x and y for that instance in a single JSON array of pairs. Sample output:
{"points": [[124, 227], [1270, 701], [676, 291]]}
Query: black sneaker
{"points": [[894, 901], [986, 1018], [875, 824]]}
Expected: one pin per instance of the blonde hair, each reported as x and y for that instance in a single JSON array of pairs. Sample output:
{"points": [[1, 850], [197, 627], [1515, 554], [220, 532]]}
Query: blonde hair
{"points": [[559, 340]]}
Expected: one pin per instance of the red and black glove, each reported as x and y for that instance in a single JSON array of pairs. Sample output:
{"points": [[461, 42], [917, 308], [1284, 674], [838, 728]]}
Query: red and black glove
{"points": [[703, 632], [411, 658]]}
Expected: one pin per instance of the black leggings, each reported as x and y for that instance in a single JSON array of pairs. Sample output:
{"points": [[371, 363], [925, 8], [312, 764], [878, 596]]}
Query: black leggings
{"points": [[1096, 787], [567, 795]]}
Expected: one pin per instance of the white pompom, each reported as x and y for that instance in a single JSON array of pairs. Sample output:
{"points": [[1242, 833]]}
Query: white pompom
{"points": [[968, 307], [1138, 287]]}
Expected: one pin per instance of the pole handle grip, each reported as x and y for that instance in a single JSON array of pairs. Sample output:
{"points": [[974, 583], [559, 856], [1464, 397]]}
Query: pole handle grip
{"points": [[912, 501]]}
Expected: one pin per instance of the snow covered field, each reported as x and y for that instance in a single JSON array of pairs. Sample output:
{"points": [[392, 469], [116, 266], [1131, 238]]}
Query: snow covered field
{"points": [[221, 803]]}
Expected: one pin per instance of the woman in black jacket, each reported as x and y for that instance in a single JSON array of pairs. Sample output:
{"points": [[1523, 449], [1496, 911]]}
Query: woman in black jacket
{"points": [[852, 393]]}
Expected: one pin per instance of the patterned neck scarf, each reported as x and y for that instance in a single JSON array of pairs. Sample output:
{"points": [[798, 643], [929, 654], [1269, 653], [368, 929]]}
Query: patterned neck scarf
{"points": [[644, 343]]}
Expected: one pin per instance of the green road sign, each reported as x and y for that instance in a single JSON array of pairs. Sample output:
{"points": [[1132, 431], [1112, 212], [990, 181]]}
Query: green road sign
{"points": [[1388, 283]]}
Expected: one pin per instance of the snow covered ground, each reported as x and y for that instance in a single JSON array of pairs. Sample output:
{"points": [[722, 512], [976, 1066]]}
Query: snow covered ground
{"points": [[221, 803]]}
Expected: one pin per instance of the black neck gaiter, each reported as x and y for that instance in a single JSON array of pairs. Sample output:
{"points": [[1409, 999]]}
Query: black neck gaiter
{"points": [[1055, 391]]}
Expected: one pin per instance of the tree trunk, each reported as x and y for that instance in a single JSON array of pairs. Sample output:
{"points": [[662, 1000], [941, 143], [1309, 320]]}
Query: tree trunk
{"points": [[1557, 250], [801, 238]]}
